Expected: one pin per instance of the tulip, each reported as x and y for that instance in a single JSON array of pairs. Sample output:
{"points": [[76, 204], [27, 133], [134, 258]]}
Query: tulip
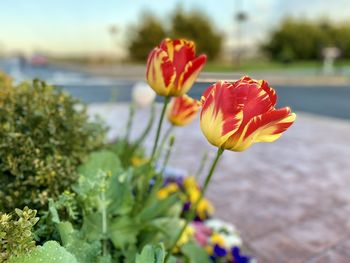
{"points": [[234, 116], [172, 67], [142, 95], [182, 110]]}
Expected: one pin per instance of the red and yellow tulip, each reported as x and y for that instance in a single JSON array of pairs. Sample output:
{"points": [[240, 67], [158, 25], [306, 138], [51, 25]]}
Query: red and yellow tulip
{"points": [[236, 115], [172, 67], [182, 110]]}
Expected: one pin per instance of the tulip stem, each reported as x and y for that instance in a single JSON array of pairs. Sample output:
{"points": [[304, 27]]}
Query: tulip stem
{"points": [[130, 121], [168, 152], [201, 166], [166, 101], [193, 208], [164, 140]]}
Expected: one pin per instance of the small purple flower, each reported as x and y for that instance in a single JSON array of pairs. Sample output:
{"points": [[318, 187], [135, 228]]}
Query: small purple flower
{"points": [[238, 257], [219, 251], [187, 206]]}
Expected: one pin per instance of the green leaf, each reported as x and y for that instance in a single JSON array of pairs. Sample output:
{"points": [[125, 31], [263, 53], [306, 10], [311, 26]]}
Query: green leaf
{"points": [[101, 160], [119, 194], [51, 252], [84, 251], [195, 253], [151, 254], [123, 231]]}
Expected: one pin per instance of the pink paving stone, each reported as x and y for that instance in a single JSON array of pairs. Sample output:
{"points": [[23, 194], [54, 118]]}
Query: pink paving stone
{"points": [[282, 196]]}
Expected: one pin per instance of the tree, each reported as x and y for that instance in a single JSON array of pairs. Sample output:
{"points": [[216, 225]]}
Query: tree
{"points": [[198, 27], [304, 40], [145, 36]]}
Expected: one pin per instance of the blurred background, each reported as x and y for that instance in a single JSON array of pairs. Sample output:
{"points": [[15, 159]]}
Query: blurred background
{"points": [[105, 46], [289, 199]]}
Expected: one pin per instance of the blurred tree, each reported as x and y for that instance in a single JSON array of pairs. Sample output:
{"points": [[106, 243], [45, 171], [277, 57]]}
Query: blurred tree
{"points": [[146, 35], [198, 27], [304, 40]]}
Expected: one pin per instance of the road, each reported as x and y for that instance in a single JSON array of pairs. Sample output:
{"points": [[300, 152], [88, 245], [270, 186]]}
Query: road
{"points": [[327, 100]]}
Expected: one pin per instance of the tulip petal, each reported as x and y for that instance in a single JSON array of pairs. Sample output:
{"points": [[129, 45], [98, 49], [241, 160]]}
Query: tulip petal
{"points": [[182, 110], [179, 50], [160, 72], [270, 91], [192, 69], [266, 127], [256, 98], [222, 113]]}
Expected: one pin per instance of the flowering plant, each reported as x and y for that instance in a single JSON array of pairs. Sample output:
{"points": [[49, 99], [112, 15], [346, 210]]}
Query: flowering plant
{"points": [[121, 208]]}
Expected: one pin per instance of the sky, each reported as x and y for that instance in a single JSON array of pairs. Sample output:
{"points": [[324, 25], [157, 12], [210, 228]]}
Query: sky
{"points": [[81, 26]]}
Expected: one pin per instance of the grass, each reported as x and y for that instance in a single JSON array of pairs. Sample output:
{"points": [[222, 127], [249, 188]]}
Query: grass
{"points": [[262, 65]]}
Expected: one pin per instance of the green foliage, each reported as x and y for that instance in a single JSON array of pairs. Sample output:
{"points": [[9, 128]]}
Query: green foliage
{"points": [[194, 254], [304, 40], [145, 36], [193, 25], [198, 27], [118, 211], [16, 237], [151, 254], [44, 135], [51, 252]]}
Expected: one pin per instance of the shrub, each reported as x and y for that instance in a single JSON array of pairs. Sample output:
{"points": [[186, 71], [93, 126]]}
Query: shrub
{"points": [[44, 136], [16, 236]]}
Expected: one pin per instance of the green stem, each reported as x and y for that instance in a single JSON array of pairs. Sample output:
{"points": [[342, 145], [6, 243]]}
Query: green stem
{"points": [[194, 208], [130, 121], [167, 156], [104, 221], [201, 166], [164, 139], [166, 101], [148, 127]]}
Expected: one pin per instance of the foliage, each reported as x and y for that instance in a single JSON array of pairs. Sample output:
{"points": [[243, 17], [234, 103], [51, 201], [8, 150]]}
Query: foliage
{"points": [[120, 211], [51, 252], [151, 253], [44, 136], [287, 43], [194, 25], [16, 237], [198, 27], [147, 34]]}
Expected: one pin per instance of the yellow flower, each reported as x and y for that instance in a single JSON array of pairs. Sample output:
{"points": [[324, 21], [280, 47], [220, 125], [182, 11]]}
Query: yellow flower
{"points": [[217, 239], [167, 190], [185, 237], [204, 209], [190, 182], [138, 161]]}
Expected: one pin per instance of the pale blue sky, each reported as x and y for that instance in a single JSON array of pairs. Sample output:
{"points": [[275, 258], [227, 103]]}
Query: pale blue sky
{"points": [[80, 26]]}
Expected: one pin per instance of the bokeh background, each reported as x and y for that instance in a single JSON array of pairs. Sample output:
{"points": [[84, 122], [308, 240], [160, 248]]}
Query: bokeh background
{"points": [[290, 199]]}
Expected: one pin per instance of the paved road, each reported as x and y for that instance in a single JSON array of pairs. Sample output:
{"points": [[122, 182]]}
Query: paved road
{"points": [[328, 100]]}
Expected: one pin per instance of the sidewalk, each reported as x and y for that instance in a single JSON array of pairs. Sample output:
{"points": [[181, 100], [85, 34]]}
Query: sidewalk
{"points": [[289, 199]]}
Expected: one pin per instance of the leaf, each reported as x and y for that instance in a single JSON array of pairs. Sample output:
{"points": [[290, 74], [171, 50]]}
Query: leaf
{"points": [[123, 231], [151, 254], [84, 251], [195, 253], [119, 194], [51, 252], [158, 208]]}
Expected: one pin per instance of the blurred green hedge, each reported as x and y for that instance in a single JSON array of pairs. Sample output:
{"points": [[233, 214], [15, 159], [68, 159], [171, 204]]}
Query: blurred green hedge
{"points": [[44, 135]]}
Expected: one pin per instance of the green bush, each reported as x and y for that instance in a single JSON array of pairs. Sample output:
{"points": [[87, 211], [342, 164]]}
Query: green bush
{"points": [[297, 39], [44, 135], [16, 236]]}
